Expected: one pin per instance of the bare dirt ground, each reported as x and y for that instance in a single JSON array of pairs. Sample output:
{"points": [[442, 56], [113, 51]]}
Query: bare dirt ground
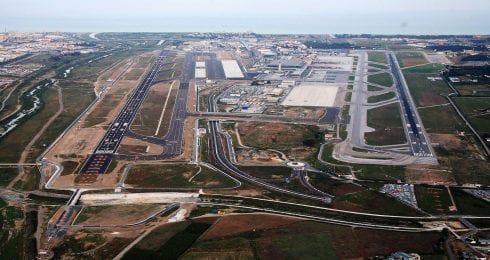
{"points": [[304, 112], [191, 98], [224, 55], [251, 156], [135, 144], [235, 224], [437, 58], [188, 138], [448, 141], [424, 174], [430, 99]]}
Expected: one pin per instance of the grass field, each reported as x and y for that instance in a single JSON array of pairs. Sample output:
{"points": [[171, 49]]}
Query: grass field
{"points": [[426, 92], [278, 136], [380, 172], [128, 214], [476, 111], [432, 68], [388, 124], [146, 120], [383, 79], [434, 200], [175, 176], [99, 64], [267, 172], [373, 202], [379, 57], [382, 97], [76, 97], [406, 59], [442, 119]]}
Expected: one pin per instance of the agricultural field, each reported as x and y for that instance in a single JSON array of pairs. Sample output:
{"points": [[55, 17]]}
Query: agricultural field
{"points": [[270, 237], [388, 124], [433, 199], [175, 176]]}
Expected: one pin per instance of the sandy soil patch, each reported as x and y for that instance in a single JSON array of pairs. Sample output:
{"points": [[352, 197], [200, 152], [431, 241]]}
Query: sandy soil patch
{"points": [[448, 141], [135, 143]]}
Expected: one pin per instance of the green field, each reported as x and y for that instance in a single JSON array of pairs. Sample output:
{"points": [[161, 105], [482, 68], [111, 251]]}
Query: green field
{"points": [[476, 111], [383, 79], [267, 172], [441, 119], [175, 176], [373, 202], [376, 56], [388, 124], [426, 92], [382, 97], [282, 137], [380, 172]]}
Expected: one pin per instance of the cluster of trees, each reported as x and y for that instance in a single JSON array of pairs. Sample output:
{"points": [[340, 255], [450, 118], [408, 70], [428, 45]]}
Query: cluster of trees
{"points": [[327, 45], [457, 48]]}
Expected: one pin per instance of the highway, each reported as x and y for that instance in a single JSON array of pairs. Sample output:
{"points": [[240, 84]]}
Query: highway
{"points": [[224, 164], [99, 161], [416, 135]]}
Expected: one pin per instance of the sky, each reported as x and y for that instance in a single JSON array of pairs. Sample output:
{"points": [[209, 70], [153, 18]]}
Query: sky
{"points": [[261, 16]]}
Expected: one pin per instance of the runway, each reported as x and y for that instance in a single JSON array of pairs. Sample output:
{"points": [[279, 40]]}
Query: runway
{"points": [[100, 159]]}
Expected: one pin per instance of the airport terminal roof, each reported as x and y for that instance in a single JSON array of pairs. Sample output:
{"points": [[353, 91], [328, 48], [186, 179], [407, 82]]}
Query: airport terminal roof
{"points": [[232, 69]]}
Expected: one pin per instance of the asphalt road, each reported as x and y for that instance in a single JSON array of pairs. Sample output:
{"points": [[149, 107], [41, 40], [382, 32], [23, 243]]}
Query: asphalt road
{"points": [[222, 162]]}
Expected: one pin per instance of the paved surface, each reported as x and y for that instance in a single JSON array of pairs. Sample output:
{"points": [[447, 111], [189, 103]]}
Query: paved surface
{"points": [[417, 138], [99, 161]]}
